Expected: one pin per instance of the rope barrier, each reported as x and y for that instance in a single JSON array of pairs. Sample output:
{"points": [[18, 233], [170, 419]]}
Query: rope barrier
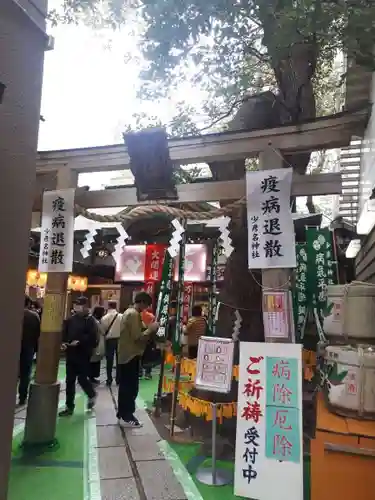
{"points": [[146, 210]]}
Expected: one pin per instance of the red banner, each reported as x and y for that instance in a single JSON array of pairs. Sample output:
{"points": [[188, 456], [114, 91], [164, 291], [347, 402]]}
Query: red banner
{"points": [[186, 301], [154, 262]]}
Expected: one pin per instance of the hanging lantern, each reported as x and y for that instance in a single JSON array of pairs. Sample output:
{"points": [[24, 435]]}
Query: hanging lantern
{"points": [[77, 284], [36, 279]]}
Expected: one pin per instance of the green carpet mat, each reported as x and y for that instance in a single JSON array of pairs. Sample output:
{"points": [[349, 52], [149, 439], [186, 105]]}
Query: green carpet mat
{"points": [[53, 475]]}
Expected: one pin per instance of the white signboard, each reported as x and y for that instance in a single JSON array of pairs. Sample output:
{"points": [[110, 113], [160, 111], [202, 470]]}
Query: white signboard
{"points": [[269, 445], [56, 238], [269, 219], [214, 364]]}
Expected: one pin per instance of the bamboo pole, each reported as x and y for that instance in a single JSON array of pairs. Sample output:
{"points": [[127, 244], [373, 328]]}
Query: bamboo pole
{"points": [[178, 331]]}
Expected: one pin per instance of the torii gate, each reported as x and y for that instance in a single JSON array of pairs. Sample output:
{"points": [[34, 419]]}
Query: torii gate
{"points": [[59, 170]]}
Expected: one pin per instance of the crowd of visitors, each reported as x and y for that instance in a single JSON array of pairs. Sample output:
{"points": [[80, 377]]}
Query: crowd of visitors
{"points": [[126, 340]]}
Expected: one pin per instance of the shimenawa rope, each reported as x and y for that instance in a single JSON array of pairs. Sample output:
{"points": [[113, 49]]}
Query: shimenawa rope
{"points": [[145, 210]]}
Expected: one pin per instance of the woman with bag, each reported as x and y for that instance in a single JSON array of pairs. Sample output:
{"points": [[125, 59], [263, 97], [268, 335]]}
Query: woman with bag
{"points": [[98, 314], [111, 323]]}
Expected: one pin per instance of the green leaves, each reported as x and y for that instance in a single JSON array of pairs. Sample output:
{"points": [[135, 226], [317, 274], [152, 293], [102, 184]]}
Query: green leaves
{"points": [[232, 48]]}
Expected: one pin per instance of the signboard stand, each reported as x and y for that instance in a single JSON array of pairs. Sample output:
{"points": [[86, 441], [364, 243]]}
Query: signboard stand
{"points": [[214, 374], [212, 476]]}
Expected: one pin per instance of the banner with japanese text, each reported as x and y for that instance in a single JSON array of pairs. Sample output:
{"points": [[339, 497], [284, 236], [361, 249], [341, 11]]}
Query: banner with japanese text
{"points": [[321, 265], [212, 297], [300, 290], [154, 262], [186, 301], [269, 441], [269, 218], [57, 232], [162, 307]]}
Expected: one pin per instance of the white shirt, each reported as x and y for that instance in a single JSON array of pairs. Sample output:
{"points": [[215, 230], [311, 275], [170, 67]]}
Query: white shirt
{"points": [[114, 332]]}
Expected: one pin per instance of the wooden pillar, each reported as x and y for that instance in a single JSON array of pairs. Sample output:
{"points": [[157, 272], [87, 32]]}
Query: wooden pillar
{"points": [[44, 393], [274, 279], [22, 46]]}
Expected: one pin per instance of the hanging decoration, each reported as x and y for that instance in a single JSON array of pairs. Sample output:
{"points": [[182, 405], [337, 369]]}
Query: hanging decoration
{"points": [[212, 299], [164, 295], [200, 408], [177, 235], [120, 242], [88, 242], [237, 325], [226, 240]]}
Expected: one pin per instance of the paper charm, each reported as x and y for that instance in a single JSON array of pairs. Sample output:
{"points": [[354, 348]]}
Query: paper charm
{"points": [[120, 242], [88, 242], [226, 241], [237, 325], [174, 242]]}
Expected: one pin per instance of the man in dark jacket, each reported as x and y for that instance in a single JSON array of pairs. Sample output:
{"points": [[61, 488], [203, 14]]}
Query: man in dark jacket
{"points": [[30, 337], [80, 337]]}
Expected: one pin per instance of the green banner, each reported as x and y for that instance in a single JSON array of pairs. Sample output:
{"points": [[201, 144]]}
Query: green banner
{"points": [[212, 301], [300, 291], [162, 308], [322, 266], [176, 341]]}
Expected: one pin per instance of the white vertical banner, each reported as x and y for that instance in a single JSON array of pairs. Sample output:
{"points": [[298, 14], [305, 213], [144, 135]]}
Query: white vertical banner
{"points": [[269, 440], [269, 219], [57, 234]]}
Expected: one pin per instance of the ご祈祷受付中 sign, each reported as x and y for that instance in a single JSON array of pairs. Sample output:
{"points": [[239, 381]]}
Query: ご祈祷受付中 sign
{"points": [[214, 364], [269, 422]]}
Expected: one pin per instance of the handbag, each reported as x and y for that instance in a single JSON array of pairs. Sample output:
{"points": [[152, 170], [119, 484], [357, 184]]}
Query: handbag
{"points": [[100, 348]]}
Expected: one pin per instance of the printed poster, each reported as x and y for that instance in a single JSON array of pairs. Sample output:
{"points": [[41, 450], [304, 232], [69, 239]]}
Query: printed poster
{"points": [[277, 315], [215, 364], [269, 219], [269, 441], [57, 232]]}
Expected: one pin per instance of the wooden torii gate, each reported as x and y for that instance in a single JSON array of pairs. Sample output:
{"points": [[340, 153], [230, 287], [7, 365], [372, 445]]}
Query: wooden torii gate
{"points": [[59, 170]]}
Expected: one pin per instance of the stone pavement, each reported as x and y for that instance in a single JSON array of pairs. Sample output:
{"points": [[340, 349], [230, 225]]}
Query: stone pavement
{"points": [[131, 464]]}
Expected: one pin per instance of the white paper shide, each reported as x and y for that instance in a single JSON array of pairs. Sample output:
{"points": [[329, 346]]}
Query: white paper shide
{"points": [[269, 219], [57, 234]]}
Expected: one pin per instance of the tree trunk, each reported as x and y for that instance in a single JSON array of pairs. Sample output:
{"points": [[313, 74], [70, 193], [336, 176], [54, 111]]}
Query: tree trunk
{"points": [[242, 288]]}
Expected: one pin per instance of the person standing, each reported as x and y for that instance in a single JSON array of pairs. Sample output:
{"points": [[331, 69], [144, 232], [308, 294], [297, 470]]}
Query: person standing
{"points": [[29, 345], [97, 313], [195, 328], [149, 353], [80, 338], [132, 343], [111, 324]]}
